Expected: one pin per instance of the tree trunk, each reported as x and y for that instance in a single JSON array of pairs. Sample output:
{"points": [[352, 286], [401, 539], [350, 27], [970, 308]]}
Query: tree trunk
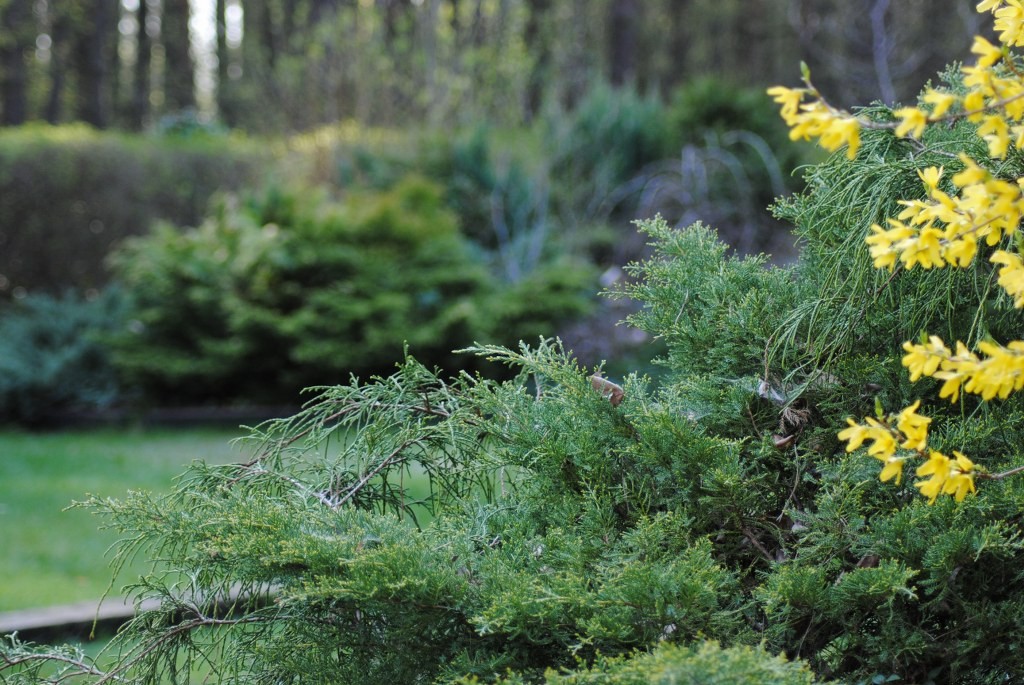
{"points": [[179, 68], [141, 84], [426, 24], [538, 45], [222, 45], [61, 36], [16, 38], [623, 23], [456, 23], [92, 63], [320, 10]]}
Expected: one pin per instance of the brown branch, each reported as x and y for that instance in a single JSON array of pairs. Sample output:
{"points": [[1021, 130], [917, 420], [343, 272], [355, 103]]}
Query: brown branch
{"points": [[387, 461], [749, 535], [199, 622], [1000, 476], [83, 668]]}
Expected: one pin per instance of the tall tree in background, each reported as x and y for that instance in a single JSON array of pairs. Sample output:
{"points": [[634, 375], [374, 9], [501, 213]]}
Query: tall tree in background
{"points": [[221, 27], [17, 36], [61, 21], [93, 40], [623, 26], [142, 82], [860, 52], [179, 71], [537, 38], [302, 63]]}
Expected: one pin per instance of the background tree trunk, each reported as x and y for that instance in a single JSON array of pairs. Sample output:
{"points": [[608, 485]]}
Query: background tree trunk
{"points": [[179, 67], [17, 37], [142, 83], [92, 62], [623, 26], [61, 35], [223, 58], [538, 44]]}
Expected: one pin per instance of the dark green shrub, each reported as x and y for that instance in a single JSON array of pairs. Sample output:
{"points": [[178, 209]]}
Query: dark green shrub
{"points": [[712, 106], [733, 158], [603, 143], [286, 290], [53, 355], [69, 194]]}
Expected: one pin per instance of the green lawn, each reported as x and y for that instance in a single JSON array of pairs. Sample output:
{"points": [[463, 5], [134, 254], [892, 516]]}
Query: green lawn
{"points": [[51, 556]]}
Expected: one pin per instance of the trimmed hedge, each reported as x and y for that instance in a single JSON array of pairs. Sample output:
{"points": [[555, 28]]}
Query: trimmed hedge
{"points": [[69, 194]]}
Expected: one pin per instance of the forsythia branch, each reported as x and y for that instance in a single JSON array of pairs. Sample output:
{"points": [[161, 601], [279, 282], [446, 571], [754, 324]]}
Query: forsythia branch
{"points": [[908, 431], [942, 230]]}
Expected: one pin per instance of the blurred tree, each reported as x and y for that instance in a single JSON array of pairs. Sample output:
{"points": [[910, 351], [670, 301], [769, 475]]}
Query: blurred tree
{"points": [[623, 26], [179, 84], [223, 58], [61, 21], [141, 79], [879, 49], [303, 63], [93, 39], [537, 38], [17, 36]]}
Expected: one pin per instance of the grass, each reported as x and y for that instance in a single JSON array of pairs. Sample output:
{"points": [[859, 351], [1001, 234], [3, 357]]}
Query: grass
{"points": [[53, 555]]}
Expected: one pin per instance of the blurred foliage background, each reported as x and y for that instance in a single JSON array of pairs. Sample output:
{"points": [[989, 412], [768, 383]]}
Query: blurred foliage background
{"points": [[223, 201], [292, 65]]}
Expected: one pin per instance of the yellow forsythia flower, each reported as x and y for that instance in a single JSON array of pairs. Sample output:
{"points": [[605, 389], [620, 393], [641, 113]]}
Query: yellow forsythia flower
{"points": [[986, 5], [940, 102], [974, 103], [955, 370], [971, 174], [926, 250], [947, 476], [914, 428], [913, 121], [1010, 23], [790, 99], [885, 245], [938, 467], [961, 248], [1011, 275], [930, 177], [855, 433], [884, 445], [996, 132], [842, 131], [883, 442], [893, 469], [987, 53], [1001, 373], [924, 360], [961, 478]]}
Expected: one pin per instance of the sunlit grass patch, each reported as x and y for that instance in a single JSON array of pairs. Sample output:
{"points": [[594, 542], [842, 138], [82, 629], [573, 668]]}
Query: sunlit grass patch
{"points": [[53, 555]]}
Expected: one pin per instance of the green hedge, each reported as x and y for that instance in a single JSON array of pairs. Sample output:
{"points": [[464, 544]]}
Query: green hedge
{"points": [[68, 194]]}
